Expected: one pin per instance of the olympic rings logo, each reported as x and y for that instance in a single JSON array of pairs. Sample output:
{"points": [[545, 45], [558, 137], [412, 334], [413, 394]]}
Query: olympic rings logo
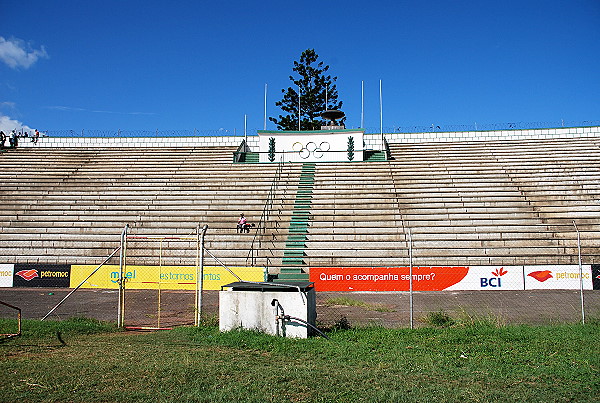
{"points": [[311, 149]]}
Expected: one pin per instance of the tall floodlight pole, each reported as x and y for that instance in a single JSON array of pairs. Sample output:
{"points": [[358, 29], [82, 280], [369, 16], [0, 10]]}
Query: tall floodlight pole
{"points": [[299, 108], [265, 122], [580, 274], [362, 104], [381, 114]]}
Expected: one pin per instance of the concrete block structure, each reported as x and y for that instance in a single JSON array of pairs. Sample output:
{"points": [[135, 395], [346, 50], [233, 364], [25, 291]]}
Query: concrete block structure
{"points": [[273, 309]]}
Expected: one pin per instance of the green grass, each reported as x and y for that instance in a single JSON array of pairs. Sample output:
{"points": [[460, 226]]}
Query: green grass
{"points": [[37, 329], [438, 319], [473, 363], [346, 301]]}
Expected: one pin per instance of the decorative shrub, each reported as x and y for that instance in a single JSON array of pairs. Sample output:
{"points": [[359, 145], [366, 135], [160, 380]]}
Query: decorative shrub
{"points": [[350, 148], [272, 149]]}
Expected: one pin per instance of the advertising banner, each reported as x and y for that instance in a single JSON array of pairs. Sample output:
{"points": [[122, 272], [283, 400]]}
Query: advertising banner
{"points": [[385, 278], [596, 276], [6, 275], [163, 277], [491, 278], [557, 277], [41, 275]]}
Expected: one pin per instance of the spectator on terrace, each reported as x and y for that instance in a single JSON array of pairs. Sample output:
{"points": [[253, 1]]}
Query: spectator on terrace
{"points": [[2, 139], [241, 225], [35, 137], [14, 139]]}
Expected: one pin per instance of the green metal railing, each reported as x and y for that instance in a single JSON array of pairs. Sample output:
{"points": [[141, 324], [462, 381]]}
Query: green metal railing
{"points": [[261, 226]]}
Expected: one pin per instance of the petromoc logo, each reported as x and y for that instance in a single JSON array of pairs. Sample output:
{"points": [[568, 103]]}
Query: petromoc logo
{"points": [[33, 273], [541, 275], [28, 274]]}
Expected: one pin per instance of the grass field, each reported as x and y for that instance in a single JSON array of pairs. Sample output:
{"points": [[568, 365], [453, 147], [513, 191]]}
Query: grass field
{"points": [[85, 360]]}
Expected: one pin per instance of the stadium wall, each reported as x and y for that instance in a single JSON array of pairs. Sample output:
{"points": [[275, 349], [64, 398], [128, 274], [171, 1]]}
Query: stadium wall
{"points": [[372, 141], [494, 135]]}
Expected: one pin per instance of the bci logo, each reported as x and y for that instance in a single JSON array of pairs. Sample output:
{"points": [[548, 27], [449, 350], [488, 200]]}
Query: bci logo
{"points": [[495, 281]]}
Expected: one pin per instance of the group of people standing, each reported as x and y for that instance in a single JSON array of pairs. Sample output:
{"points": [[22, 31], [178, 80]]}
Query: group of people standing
{"points": [[13, 138]]}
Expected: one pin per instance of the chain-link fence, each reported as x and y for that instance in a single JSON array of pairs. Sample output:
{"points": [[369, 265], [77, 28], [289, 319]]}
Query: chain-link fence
{"points": [[501, 295], [394, 128], [159, 296], [435, 127], [141, 133]]}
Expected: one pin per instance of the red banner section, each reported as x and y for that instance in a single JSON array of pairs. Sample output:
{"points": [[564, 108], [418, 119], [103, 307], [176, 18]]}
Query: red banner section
{"points": [[434, 278]]}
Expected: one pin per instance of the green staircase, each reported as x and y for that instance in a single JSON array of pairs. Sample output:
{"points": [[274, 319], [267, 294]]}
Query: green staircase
{"points": [[293, 255], [372, 155], [251, 158]]}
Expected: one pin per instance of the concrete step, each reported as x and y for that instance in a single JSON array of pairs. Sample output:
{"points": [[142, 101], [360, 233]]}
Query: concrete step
{"points": [[470, 203], [291, 277]]}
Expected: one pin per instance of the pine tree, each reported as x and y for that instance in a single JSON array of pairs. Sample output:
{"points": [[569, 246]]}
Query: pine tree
{"points": [[314, 87]]}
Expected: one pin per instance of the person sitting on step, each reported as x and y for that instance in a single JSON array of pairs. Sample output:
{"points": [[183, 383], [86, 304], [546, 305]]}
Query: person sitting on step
{"points": [[241, 225]]}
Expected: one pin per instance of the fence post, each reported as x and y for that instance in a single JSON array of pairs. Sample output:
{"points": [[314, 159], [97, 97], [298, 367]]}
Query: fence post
{"points": [[200, 276], [122, 263], [410, 281], [580, 274]]}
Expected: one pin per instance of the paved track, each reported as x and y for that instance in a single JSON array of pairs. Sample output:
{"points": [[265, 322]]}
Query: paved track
{"points": [[387, 309]]}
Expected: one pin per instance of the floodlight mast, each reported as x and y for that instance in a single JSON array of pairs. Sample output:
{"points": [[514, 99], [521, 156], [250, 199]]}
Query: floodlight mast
{"points": [[381, 115], [265, 120], [362, 104], [299, 109]]}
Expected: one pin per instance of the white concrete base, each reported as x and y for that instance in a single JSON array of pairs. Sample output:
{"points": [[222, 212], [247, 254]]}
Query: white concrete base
{"points": [[253, 310]]}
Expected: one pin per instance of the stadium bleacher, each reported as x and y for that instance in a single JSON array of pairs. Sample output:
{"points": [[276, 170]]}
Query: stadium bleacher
{"points": [[464, 203]]}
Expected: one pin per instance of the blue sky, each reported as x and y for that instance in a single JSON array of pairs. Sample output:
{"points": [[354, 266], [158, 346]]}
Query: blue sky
{"points": [[146, 65]]}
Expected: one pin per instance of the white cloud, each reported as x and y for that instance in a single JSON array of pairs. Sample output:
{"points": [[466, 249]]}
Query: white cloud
{"points": [[7, 105], [16, 53], [7, 125]]}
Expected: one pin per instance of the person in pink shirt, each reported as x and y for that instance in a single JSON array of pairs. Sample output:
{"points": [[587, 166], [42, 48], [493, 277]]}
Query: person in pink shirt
{"points": [[241, 225]]}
